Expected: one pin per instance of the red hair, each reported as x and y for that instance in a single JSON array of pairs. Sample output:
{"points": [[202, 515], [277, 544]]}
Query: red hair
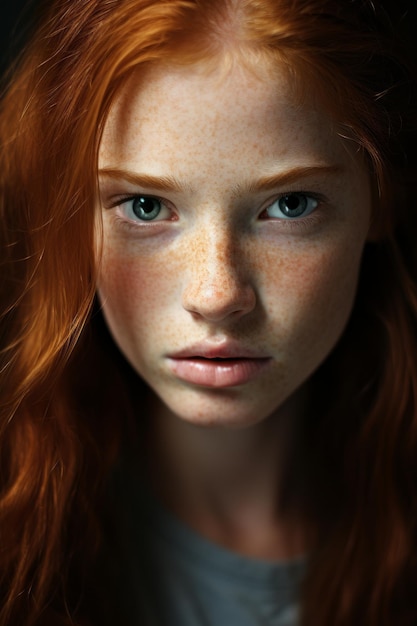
{"points": [[359, 500]]}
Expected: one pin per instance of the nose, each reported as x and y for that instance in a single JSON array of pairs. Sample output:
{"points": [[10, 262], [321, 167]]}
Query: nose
{"points": [[216, 286]]}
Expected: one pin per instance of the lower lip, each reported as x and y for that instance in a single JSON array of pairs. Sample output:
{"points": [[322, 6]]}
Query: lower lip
{"points": [[217, 374]]}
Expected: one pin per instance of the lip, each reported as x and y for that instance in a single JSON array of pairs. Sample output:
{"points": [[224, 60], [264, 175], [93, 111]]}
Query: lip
{"points": [[217, 366]]}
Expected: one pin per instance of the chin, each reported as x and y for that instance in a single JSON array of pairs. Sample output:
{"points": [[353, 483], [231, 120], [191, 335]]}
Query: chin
{"points": [[226, 409]]}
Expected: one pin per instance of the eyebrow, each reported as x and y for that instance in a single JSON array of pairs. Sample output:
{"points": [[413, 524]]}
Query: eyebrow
{"points": [[290, 176], [162, 183], [173, 184]]}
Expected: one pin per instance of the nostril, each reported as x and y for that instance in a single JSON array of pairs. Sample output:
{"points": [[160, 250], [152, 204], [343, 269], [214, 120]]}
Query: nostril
{"points": [[217, 304]]}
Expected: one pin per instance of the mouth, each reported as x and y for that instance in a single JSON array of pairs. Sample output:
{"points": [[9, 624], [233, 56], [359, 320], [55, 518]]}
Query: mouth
{"points": [[217, 371], [223, 351]]}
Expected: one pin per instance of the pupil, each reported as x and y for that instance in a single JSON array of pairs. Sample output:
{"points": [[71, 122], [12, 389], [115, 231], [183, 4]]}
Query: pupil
{"points": [[147, 205], [293, 205], [292, 202], [146, 208]]}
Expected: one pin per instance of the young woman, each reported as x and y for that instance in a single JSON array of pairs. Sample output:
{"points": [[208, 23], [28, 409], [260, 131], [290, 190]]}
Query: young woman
{"points": [[208, 409]]}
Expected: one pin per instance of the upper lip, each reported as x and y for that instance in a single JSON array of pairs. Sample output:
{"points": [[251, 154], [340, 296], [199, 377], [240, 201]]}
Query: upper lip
{"points": [[225, 350]]}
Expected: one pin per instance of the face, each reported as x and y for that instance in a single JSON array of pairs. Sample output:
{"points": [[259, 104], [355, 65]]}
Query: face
{"points": [[234, 219]]}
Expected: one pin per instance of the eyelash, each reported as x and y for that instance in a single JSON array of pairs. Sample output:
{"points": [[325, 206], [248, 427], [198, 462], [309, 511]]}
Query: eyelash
{"points": [[292, 223]]}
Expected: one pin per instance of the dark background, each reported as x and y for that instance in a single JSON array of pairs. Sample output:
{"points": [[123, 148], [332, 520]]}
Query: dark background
{"points": [[16, 17]]}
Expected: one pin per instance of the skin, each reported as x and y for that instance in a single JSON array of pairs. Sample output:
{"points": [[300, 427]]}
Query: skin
{"points": [[221, 263]]}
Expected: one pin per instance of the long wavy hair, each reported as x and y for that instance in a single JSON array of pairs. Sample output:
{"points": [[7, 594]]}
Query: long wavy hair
{"points": [[62, 422]]}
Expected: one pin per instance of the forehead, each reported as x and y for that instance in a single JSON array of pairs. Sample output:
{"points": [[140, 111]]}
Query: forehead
{"points": [[253, 115]]}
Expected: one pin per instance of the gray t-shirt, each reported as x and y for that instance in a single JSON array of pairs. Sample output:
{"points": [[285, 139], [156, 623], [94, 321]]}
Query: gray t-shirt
{"points": [[178, 578]]}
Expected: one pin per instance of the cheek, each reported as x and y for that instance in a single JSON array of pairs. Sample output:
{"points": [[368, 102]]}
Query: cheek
{"points": [[308, 293], [135, 291]]}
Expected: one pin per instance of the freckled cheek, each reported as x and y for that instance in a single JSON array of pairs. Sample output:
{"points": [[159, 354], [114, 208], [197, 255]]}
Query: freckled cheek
{"points": [[314, 287], [135, 289]]}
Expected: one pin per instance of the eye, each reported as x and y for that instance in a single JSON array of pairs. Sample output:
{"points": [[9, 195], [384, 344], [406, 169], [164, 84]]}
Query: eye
{"points": [[145, 208], [292, 205]]}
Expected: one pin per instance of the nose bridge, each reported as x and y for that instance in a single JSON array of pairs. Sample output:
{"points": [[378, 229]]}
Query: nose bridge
{"points": [[216, 251], [216, 285]]}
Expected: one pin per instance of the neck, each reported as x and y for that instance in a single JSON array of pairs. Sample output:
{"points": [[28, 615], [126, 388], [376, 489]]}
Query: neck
{"points": [[225, 483]]}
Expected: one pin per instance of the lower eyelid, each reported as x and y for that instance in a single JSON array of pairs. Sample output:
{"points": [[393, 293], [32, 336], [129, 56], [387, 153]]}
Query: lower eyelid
{"points": [[299, 226], [137, 228]]}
